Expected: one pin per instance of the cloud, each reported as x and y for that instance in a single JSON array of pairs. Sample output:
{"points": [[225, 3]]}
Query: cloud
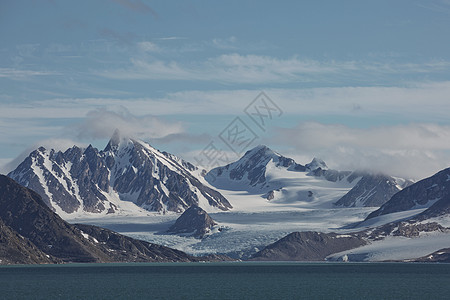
{"points": [[12, 73], [440, 6], [183, 138], [412, 151], [229, 68], [225, 44], [172, 38], [98, 124], [124, 38], [415, 150], [257, 69], [148, 47], [138, 6], [7, 165], [101, 123], [422, 102]]}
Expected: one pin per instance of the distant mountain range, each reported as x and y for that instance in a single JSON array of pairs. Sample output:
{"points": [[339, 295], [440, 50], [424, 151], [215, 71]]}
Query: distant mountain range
{"points": [[88, 180], [81, 180], [262, 170], [128, 171]]}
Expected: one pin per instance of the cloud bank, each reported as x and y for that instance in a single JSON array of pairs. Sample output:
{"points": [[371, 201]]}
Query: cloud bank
{"points": [[101, 123], [411, 151]]}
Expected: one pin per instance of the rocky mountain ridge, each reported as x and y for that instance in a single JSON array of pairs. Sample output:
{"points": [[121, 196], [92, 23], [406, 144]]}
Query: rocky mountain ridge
{"points": [[88, 180], [250, 173], [432, 193]]}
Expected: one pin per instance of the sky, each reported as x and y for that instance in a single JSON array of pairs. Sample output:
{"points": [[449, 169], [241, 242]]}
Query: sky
{"points": [[359, 84]]}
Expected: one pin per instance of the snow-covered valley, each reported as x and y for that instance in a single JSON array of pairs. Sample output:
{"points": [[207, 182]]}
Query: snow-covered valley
{"points": [[242, 232]]}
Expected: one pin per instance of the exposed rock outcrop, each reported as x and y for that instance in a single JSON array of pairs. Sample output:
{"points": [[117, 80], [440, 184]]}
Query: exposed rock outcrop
{"points": [[308, 246], [194, 222]]}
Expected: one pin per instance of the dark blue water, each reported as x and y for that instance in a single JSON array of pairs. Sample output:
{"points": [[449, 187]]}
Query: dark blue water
{"points": [[227, 281]]}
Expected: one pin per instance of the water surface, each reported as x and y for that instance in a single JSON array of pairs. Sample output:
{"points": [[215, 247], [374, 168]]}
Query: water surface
{"points": [[240, 280]]}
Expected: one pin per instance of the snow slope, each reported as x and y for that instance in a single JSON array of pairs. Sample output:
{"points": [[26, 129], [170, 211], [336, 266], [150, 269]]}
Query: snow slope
{"points": [[397, 248]]}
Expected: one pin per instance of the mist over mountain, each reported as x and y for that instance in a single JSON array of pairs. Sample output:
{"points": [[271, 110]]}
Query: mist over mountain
{"points": [[262, 170]]}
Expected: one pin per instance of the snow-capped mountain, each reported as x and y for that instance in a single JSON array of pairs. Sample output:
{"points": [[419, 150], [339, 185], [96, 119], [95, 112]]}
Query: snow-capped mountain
{"points": [[264, 171], [127, 170], [432, 194], [250, 169], [372, 190]]}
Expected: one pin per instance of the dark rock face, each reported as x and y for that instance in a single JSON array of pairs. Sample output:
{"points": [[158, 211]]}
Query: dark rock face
{"points": [[270, 195], [371, 191], [308, 246], [87, 179], [334, 175], [15, 249], [439, 208], [45, 233], [408, 229], [113, 247], [195, 221], [252, 166], [432, 192], [442, 256]]}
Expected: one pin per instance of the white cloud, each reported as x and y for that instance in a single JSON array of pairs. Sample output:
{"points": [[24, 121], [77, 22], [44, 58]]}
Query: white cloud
{"points": [[257, 69], [7, 165], [440, 6], [20, 74], [172, 38], [226, 44], [229, 68], [413, 103], [147, 46], [416, 149], [412, 151], [101, 123]]}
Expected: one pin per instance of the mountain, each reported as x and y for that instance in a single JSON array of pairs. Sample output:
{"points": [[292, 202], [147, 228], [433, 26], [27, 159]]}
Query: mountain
{"points": [[194, 222], [88, 180], [15, 249], [276, 177], [24, 215], [250, 169], [362, 245], [441, 256], [308, 246], [372, 190], [432, 193]]}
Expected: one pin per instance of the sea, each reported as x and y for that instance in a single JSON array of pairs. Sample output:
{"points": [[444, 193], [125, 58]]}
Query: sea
{"points": [[228, 280]]}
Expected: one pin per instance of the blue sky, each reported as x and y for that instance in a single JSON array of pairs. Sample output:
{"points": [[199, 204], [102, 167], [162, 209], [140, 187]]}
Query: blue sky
{"points": [[361, 84]]}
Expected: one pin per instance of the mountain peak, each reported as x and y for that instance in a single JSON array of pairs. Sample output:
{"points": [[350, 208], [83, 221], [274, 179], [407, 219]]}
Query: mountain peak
{"points": [[252, 166], [89, 180], [261, 150], [316, 163], [114, 142]]}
